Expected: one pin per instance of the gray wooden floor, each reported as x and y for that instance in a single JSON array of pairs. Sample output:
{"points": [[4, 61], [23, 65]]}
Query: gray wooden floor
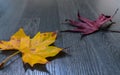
{"points": [[96, 54]]}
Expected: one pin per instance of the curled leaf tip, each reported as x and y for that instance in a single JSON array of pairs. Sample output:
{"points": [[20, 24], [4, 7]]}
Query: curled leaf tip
{"points": [[78, 14]]}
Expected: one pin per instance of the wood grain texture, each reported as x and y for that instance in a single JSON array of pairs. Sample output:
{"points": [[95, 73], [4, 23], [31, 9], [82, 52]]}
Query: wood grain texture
{"points": [[96, 54]]}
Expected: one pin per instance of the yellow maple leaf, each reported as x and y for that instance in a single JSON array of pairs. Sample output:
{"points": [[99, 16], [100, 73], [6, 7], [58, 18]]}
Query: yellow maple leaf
{"points": [[34, 50], [14, 42]]}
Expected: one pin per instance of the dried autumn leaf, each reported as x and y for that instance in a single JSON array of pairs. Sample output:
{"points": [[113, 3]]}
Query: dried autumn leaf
{"points": [[14, 42], [86, 26], [36, 50]]}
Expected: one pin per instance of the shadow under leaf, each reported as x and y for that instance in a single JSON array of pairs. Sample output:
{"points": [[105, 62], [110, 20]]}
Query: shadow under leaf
{"points": [[8, 52], [39, 67], [42, 67], [58, 56]]}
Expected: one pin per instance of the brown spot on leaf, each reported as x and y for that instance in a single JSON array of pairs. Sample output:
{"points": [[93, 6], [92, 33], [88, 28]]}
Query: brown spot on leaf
{"points": [[1, 42], [18, 40], [54, 33], [32, 49], [44, 34]]}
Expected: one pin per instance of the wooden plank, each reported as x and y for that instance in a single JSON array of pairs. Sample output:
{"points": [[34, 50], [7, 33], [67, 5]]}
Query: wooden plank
{"points": [[96, 54]]}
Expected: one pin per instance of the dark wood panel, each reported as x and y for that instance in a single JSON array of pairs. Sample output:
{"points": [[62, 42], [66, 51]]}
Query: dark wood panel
{"points": [[96, 54]]}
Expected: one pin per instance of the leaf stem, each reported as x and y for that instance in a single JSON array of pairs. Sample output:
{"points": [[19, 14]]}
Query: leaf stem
{"points": [[8, 58], [115, 12], [113, 31]]}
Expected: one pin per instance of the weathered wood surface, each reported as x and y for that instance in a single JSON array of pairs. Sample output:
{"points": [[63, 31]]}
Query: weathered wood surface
{"points": [[96, 54]]}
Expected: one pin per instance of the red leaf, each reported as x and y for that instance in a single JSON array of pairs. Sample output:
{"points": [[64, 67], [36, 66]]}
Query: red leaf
{"points": [[86, 26]]}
